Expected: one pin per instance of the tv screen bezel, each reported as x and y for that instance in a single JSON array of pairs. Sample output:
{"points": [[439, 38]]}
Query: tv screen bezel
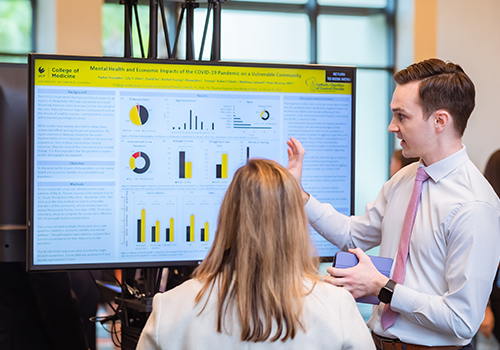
{"points": [[30, 147]]}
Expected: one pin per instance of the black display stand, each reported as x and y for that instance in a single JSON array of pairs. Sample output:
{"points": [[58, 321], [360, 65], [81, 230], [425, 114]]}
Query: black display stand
{"points": [[136, 299], [13, 130], [214, 7]]}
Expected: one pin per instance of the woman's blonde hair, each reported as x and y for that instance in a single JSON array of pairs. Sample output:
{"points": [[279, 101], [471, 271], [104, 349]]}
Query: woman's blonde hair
{"points": [[261, 253]]}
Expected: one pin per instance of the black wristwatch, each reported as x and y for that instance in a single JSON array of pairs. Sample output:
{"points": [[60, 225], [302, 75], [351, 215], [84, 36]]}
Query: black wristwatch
{"points": [[386, 292]]}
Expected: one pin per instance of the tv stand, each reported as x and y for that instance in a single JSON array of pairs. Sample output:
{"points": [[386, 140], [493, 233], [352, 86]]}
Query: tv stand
{"points": [[142, 307], [135, 301], [12, 243]]}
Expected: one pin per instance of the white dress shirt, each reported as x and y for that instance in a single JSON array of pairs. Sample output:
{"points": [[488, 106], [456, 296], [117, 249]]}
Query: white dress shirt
{"points": [[454, 249], [330, 316]]}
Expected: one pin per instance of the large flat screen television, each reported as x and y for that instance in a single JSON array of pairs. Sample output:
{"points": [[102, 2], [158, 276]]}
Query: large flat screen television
{"points": [[129, 159]]}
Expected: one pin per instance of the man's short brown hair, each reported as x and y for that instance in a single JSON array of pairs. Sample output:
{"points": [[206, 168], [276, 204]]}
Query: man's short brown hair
{"points": [[443, 85]]}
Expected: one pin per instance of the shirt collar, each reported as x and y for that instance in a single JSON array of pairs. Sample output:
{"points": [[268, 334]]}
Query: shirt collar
{"points": [[440, 169]]}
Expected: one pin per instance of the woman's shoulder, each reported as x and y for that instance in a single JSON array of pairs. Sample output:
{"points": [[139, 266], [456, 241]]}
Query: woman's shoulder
{"points": [[332, 310], [189, 285], [185, 291], [328, 293], [330, 289]]}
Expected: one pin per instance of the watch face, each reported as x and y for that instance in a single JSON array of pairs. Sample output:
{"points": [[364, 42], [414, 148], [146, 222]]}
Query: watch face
{"points": [[386, 292], [385, 296]]}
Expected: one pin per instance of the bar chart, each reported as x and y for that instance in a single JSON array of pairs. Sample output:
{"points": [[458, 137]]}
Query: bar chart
{"points": [[152, 218], [191, 231], [155, 232], [169, 232], [205, 233], [185, 167], [258, 119], [199, 214], [193, 123], [156, 235], [270, 149], [141, 227], [221, 169]]}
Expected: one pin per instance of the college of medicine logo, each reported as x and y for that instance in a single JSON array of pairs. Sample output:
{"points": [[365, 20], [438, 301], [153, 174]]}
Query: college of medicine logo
{"points": [[41, 72]]}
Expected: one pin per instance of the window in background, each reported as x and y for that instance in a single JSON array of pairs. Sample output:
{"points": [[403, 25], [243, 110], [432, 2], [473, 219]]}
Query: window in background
{"points": [[363, 38], [113, 29], [354, 40], [16, 30], [356, 3], [276, 1], [345, 32], [372, 137], [261, 37]]}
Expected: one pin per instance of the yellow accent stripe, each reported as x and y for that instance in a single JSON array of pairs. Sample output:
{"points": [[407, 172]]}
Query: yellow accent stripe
{"points": [[184, 77]]}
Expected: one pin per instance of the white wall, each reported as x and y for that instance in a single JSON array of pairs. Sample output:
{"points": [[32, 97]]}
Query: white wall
{"points": [[71, 27], [468, 33]]}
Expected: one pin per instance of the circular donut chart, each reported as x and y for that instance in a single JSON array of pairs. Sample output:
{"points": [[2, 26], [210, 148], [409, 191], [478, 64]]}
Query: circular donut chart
{"points": [[139, 115], [265, 115], [144, 157]]}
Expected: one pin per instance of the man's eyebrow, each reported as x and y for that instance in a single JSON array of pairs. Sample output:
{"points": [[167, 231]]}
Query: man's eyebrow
{"points": [[397, 109]]}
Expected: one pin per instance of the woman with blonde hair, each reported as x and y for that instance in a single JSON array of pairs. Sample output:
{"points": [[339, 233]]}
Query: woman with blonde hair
{"points": [[258, 287]]}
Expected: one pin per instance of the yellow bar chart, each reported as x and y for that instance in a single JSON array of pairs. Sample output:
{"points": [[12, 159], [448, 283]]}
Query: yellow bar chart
{"points": [[221, 169], [204, 233], [157, 232], [143, 226], [156, 229], [185, 168], [190, 230], [170, 231]]}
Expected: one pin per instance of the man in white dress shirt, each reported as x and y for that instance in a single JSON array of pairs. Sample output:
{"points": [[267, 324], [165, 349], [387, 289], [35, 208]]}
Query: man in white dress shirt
{"points": [[455, 242]]}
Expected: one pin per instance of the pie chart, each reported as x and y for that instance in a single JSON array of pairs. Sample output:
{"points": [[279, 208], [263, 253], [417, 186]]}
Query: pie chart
{"points": [[139, 162], [139, 115], [265, 115]]}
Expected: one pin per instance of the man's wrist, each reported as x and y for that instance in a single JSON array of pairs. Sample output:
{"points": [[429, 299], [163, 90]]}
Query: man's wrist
{"points": [[387, 291]]}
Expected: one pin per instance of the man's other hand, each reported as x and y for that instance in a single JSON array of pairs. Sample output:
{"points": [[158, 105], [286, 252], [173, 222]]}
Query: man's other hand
{"points": [[361, 280]]}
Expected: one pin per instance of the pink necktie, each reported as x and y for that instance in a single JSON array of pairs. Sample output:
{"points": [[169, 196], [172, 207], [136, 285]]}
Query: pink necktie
{"points": [[388, 316]]}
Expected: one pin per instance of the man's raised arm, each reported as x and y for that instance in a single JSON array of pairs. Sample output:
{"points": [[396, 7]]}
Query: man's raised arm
{"points": [[296, 155]]}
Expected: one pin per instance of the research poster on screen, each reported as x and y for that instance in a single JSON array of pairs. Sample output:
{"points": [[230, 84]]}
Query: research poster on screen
{"points": [[131, 160]]}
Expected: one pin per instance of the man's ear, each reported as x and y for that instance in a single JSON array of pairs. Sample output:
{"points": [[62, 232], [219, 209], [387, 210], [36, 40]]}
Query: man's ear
{"points": [[441, 120]]}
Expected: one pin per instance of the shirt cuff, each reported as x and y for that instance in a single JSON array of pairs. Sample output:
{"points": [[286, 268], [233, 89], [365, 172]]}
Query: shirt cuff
{"points": [[313, 209], [403, 299]]}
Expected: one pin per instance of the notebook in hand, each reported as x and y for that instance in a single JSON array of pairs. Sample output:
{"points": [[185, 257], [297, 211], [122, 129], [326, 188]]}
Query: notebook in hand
{"points": [[344, 260]]}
